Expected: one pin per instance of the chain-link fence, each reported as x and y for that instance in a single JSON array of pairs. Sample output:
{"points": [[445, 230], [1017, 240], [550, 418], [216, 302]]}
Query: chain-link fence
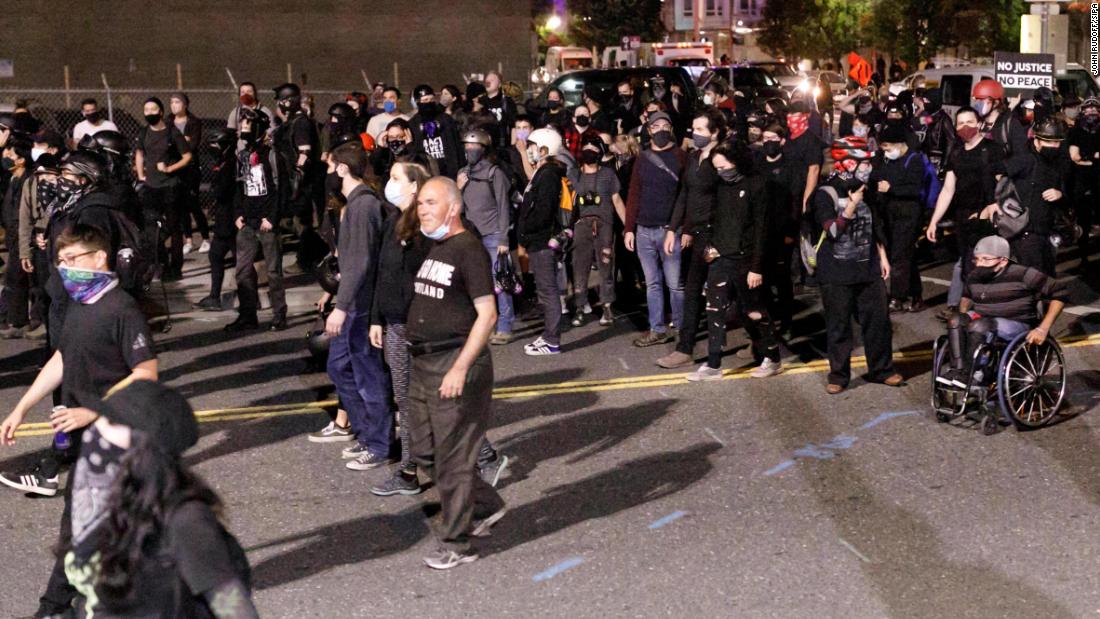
{"points": [[59, 109]]}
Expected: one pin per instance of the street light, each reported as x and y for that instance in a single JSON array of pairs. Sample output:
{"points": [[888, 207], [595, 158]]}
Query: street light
{"points": [[553, 22]]}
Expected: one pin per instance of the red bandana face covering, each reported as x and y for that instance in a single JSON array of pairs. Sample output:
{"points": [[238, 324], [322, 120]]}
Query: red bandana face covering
{"points": [[797, 124]]}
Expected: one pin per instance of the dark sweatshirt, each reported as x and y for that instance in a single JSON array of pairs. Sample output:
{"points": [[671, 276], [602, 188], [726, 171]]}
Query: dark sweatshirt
{"points": [[1035, 175], [538, 213], [906, 177], [358, 247], [849, 254], [741, 220], [257, 170], [398, 263], [437, 136], [651, 198], [698, 183]]}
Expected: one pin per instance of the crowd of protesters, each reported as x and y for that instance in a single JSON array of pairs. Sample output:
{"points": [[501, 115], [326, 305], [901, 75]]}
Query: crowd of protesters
{"points": [[450, 216]]}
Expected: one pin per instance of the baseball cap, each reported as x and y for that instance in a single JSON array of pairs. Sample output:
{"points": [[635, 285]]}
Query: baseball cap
{"points": [[157, 411], [992, 246], [659, 116]]}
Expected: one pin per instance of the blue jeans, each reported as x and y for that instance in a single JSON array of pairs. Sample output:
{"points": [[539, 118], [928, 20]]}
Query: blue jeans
{"points": [[660, 270], [505, 314], [1008, 330], [356, 369]]}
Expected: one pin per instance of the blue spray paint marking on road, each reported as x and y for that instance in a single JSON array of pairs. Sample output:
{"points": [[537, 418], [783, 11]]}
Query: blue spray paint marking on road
{"points": [[885, 417], [667, 519], [779, 468], [840, 442], [558, 569]]}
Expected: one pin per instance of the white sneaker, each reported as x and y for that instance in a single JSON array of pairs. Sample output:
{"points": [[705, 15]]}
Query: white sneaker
{"points": [[187, 247], [767, 368], [541, 347], [587, 308], [705, 373], [205, 247], [564, 305]]}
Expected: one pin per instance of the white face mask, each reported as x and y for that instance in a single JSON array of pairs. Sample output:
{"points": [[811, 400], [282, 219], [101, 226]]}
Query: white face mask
{"points": [[396, 193], [861, 131], [708, 99], [892, 153], [36, 153]]}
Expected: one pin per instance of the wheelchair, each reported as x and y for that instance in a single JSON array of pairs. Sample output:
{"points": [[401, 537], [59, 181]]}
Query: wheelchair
{"points": [[1027, 388]]}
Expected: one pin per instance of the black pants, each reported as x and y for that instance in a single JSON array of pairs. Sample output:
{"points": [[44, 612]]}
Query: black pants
{"points": [[727, 277], [867, 304], [544, 265], [697, 269], [778, 276], [191, 207], [40, 301], [903, 221], [1034, 250], [58, 597], [17, 285], [1086, 191], [220, 248], [592, 244], [162, 204], [447, 436], [249, 243]]}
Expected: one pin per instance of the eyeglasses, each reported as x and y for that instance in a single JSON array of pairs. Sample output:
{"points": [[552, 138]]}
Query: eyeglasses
{"points": [[71, 260]]}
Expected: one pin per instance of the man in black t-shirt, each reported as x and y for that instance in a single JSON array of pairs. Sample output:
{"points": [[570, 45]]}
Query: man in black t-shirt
{"points": [[298, 144], [1084, 151], [452, 314], [161, 155]]}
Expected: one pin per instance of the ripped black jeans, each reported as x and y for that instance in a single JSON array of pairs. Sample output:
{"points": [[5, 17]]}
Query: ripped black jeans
{"points": [[727, 277]]}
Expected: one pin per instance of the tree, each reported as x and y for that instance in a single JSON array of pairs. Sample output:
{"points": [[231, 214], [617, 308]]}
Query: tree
{"points": [[817, 29], [603, 23]]}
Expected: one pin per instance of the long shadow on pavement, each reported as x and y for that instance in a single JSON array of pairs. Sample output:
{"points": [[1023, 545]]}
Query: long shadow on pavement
{"points": [[1076, 447]]}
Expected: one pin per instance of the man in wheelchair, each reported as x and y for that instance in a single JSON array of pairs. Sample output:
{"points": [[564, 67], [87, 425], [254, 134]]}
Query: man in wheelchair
{"points": [[1000, 301]]}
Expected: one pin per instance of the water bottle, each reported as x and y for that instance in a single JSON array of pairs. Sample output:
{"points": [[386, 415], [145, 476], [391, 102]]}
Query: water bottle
{"points": [[61, 440]]}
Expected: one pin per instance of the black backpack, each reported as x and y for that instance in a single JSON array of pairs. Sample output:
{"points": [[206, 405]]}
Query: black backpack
{"points": [[132, 260]]}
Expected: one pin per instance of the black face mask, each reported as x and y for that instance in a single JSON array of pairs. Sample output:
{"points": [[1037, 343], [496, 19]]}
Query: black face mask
{"points": [[45, 193], [1090, 122], [153, 119], [662, 138], [430, 110], [771, 148], [627, 102], [288, 107], [983, 275], [1050, 154], [581, 121], [590, 156], [474, 155], [248, 136], [553, 104], [398, 147], [93, 117], [68, 190], [334, 186], [731, 175]]}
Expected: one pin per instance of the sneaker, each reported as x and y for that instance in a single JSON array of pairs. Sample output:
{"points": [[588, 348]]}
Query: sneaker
{"points": [[209, 304], [578, 320], [38, 333], [32, 482], [705, 373], [916, 306], [187, 247], [564, 305], [896, 305], [242, 323], [12, 333], [541, 347], [491, 471], [398, 483], [444, 559], [587, 308], [205, 247], [500, 339], [767, 368], [368, 461], [652, 338], [480, 528], [331, 433], [278, 323], [354, 451], [608, 317], [674, 359]]}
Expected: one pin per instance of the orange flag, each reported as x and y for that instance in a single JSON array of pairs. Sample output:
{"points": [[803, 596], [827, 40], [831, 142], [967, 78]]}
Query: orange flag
{"points": [[860, 69]]}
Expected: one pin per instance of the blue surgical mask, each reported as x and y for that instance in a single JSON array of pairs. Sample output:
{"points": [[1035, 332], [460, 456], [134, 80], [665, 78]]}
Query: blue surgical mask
{"points": [[389, 107], [522, 134], [438, 234]]}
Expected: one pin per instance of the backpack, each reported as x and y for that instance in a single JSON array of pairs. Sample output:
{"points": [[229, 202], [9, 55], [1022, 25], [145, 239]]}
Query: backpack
{"points": [[930, 185], [1013, 218], [568, 199], [132, 260], [807, 247]]}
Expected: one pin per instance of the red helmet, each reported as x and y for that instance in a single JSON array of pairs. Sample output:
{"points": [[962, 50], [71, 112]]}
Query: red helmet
{"points": [[988, 89]]}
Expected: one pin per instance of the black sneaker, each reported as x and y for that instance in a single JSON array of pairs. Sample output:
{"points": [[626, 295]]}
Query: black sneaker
{"points": [[209, 304], [367, 461], [444, 559], [277, 324], [242, 323], [398, 483], [32, 482], [491, 471]]}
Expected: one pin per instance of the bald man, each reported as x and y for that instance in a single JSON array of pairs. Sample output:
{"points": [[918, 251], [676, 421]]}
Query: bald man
{"points": [[453, 312]]}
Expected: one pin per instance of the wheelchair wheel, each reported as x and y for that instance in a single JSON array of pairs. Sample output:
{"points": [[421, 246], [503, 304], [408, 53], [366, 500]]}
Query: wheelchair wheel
{"points": [[1031, 382], [940, 364]]}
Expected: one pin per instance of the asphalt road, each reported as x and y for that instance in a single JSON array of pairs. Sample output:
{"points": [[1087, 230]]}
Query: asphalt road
{"points": [[634, 493]]}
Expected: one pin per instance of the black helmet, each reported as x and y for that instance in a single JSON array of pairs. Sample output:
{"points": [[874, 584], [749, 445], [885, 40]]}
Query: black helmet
{"points": [[288, 91], [88, 143], [7, 121], [1050, 129], [328, 274], [317, 342], [477, 136], [423, 90], [1043, 96], [341, 110], [260, 122], [90, 165], [778, 106], [220, 138], [112, 142], [757, 119], [345, 138]]}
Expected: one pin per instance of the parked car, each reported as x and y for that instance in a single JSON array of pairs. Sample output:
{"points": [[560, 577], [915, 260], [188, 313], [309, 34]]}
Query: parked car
{"points": [[572, 85], [750, 81], [782, 72]]}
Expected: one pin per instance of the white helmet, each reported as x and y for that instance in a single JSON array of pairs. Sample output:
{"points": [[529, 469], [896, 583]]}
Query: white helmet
{"points": [[546, 138]]}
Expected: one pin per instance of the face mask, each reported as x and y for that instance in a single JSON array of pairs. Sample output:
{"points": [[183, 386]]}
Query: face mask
{"points": [[1050, 153], [590, 156], [983, 275], [397, 147], [45, 193], [68, 191], [861, 131], [7, 163], [798, 124], [523, 134], [395, 193], [581, 121], [334, 185], [532, 156], [771, 148], [662, 138], [287, 107], [967, 133], [93, 117], [446, 100], [892, 153], [1072, 112], [984, 107], [708, 99], [553, 104], [86, 286], [865, 108], [730, 175], [430, 110], [152, 119], [659, 92], [863, 174], [474, 155], [700, 141], [438, 233], [627, 102], [1090, 122], [36, 153], [389, 107]]}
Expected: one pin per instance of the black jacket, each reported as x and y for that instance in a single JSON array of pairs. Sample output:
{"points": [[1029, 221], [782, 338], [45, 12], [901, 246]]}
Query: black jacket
{"points": [[398, 263], [905, 175], [698, 184], [538, 213], [741, 220], [358, 247], [437, 136], [1034, 175]]}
